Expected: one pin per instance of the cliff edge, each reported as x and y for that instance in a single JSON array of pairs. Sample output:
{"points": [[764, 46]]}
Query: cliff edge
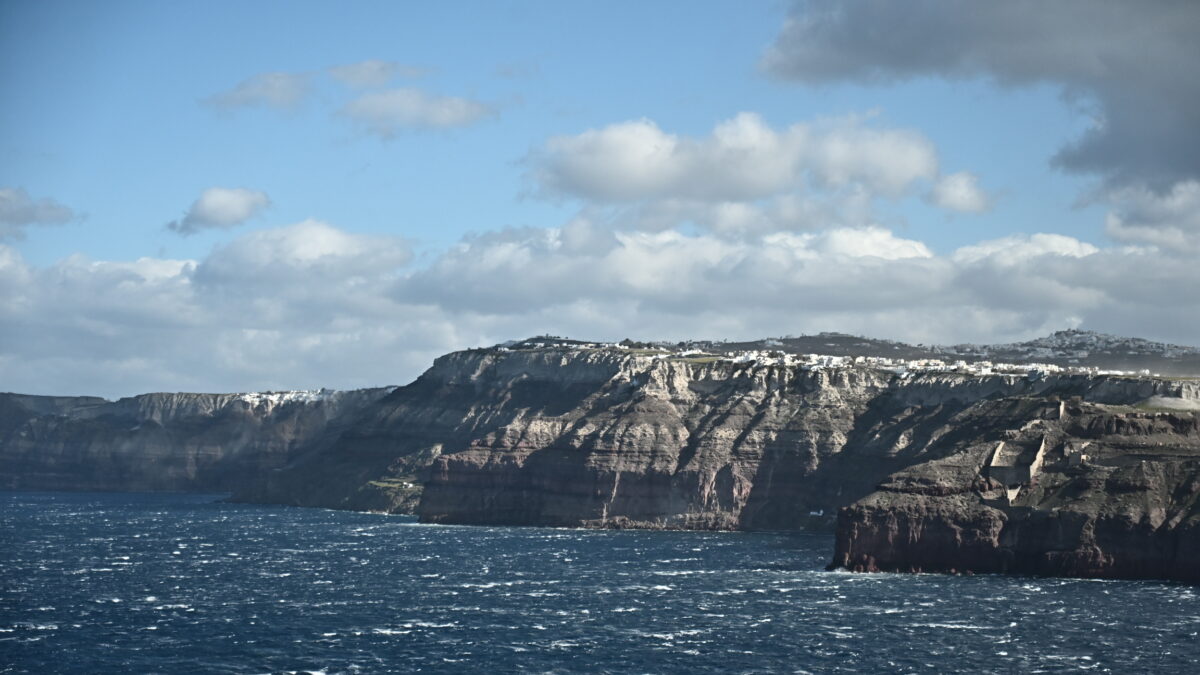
{"points": [[1078, 489], [917, 464], [174, 442], [1066, 473]]}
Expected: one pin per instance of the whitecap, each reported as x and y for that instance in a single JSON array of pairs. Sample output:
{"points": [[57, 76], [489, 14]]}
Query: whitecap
{"points": [[953, 626], [390, 631]]}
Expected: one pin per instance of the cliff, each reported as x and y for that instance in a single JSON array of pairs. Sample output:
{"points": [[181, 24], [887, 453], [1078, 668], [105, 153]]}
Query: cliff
{"points": [[162, 442], [1072, 488], [610, 438], [1064, 473]]}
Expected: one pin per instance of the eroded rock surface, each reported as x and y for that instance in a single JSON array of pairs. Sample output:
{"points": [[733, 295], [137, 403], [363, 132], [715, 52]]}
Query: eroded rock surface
{"points": [[604, 438], [1069, 473], [1116, 495], [163, 442]]}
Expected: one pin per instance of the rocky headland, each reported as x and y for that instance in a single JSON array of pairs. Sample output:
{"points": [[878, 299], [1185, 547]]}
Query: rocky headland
{"points": [[174, 442], [1068, 473], [917, 465]]}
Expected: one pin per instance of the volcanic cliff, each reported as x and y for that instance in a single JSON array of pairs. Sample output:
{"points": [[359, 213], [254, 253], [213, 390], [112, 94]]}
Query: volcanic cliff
{"points": [[1058, 474], [945, 468], [163, 442], [1060, 487]]}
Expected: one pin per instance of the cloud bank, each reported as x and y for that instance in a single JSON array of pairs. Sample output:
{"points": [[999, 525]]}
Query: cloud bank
{"points": [[1170, 220], [1134, 60], [312, 305]]}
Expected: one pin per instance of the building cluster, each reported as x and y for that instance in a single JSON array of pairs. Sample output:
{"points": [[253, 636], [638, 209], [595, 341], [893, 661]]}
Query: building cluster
{"points": [[903, 367], [909, 366]]}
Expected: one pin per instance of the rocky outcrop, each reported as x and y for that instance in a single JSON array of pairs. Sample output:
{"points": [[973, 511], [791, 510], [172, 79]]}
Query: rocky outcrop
{"points": [[1115, 494], [1077, 474], [609, 438], [163, 442]]}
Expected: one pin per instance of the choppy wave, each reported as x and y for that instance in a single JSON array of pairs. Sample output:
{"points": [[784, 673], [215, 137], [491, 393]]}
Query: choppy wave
{"points": [[162, 583]]}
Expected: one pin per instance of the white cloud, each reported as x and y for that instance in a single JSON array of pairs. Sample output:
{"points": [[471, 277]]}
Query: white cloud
{"points": [[221, 208], [886, 161], [312, 305], [1169, 220], [277, 90], [299, 306], [18, 210], [386, 113], [960, 192], [306, 252], [870, 242], [519, 270], [743, 159], [373, 73], [1021, 248]]}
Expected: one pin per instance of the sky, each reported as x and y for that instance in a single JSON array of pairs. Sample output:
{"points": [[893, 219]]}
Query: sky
{"points": [[226, 196]]}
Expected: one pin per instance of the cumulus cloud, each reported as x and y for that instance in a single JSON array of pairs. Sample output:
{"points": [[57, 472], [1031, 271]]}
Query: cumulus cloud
{"points": [[745, 178], [310, 251], [1169, 220], [742, 159], [373, 73], [312, 305], [386, 113], [1135, 59], [18, 210], [298, 306], [221, 208], [960, 192], [1018, 248], [666, 273], [672, 285], [275, 90]]}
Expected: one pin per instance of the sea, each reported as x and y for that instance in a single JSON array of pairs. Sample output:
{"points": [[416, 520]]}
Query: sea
{"points": [[168, 583]]}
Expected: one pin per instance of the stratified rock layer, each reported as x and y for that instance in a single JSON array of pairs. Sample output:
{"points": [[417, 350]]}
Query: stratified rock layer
{"points": [[162, 442], [1065, 474], [605, 438], [1116, 496]]}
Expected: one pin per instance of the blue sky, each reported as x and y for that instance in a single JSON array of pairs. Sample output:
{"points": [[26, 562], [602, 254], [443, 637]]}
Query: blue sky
{"points": [[477, 171]]}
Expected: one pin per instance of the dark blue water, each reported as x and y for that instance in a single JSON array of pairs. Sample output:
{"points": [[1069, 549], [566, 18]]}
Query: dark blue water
{"points": [[167, 583]]}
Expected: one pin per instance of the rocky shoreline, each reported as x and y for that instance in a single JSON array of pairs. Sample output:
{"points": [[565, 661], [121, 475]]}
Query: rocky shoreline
{"points": [[1115, 496], [1064, 474]]}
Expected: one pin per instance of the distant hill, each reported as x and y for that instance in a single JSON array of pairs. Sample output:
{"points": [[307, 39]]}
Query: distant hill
{"points": [[1089, 348]]}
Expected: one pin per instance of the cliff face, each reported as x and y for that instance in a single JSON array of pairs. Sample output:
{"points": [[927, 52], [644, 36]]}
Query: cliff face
{"points": [[1064, 474], [1078, 489], [168, 442], [603, 438], [637, 442]]}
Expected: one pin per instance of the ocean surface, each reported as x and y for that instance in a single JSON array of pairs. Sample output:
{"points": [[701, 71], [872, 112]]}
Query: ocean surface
{"points": [[138, 583]]}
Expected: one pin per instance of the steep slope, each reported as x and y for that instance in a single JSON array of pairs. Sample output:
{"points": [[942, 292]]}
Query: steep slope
{"points": [[609, 438], [1076, 489], [172, 442], [917, 466]]}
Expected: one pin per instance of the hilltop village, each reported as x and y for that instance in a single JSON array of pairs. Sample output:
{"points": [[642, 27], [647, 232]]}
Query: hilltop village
{"points": [[770, 355]]}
